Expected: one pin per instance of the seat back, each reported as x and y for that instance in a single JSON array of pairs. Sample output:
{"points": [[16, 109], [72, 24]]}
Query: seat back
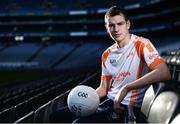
{"points": [[176, 120], [7, 115], [59, 101], [163, 107], [42, 113], [29, 118], [20, 110], [149, 98]]}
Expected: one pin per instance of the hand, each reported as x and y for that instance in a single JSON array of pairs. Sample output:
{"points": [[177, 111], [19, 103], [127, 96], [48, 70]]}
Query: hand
{"points": [[119, 97]]}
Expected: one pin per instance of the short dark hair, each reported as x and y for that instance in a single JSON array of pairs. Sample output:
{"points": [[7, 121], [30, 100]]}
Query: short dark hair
{"points": [[116, 10]]}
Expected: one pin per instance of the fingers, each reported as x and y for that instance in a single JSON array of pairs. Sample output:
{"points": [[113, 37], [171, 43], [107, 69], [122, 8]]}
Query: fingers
{"points": [[117, 107], [121, 94], [117, 110]]}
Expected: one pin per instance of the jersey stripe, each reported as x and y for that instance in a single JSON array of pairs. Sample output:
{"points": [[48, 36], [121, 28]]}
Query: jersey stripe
{"points": [[156, 62], [133, 97], [149, 47], [139, 48], [106, 77], [104, 57]]}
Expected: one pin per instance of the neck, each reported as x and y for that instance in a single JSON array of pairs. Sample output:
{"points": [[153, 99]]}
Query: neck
{"points": [[124, 42]]}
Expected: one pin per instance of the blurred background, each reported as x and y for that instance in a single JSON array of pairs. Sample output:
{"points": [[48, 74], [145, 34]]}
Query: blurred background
{"points": [[49, 46]]}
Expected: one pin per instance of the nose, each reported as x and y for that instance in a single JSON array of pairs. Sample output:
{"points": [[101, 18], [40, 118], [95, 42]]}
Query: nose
{"points": [[116, 28]]}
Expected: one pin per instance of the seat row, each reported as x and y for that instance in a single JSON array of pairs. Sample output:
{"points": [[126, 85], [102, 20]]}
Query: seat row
{"points": [[42, 113], [17, 111], [173, 61]]}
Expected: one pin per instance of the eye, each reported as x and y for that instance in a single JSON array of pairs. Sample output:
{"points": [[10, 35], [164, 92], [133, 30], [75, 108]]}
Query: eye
{"points": [[121, 23], [111, 25]]}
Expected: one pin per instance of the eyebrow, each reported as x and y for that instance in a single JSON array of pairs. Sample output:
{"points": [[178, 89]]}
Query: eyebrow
{"points": [[121, 22]]}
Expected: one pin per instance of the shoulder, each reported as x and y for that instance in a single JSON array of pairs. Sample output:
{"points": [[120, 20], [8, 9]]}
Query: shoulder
{"points": [[141, 40], [106, 53], [140, 43], [108, 50]]}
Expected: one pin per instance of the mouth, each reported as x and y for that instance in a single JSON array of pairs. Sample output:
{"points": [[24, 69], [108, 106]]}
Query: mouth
{"points": [[117, 35]]}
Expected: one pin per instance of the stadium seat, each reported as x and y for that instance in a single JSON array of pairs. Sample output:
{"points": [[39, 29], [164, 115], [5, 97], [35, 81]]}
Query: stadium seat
{"points": [[178, 80], [163, 108], [32, 103], [20, 110], [42, 113], [29, 118], [6, 116], [149, 98], [176, 120], [58, 102], [174, 66]]}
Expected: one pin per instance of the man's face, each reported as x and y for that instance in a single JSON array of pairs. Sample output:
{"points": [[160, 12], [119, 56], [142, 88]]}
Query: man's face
{"points": [[118, 27]]}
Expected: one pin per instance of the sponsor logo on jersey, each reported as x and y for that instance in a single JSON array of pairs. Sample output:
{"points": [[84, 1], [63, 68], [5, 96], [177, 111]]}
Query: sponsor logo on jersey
{"points": [[122, 75], [153, 56]]}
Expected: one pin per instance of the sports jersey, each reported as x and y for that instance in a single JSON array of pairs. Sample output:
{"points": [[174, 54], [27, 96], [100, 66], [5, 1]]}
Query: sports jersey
{"points": [[125, 65]]}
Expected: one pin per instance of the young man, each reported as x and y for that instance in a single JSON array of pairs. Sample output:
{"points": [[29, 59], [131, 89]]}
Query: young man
{"points": [[123, 79]]}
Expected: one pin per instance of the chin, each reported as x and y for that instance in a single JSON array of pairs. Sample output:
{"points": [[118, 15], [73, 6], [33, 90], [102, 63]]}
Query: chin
{"points": [[118, 39]]}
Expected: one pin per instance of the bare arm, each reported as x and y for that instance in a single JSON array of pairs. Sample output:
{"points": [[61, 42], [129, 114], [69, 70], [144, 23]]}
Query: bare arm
{"points": [[159, 73], [103, 88]]}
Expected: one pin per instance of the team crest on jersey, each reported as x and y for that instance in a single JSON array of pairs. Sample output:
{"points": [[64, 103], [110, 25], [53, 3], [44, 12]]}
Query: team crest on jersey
{"points": [[113, 62]]}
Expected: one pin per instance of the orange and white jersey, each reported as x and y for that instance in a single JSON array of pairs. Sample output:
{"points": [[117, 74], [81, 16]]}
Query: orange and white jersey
{"points": [[125, 65]]}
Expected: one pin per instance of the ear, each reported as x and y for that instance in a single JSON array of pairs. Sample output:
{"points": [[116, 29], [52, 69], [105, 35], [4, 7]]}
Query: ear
{"points": [[128, 24], [106, 27]]}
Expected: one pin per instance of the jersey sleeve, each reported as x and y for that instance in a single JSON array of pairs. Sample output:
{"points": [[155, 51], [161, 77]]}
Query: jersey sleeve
{"points": [[151, 56], [105, 75]]}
